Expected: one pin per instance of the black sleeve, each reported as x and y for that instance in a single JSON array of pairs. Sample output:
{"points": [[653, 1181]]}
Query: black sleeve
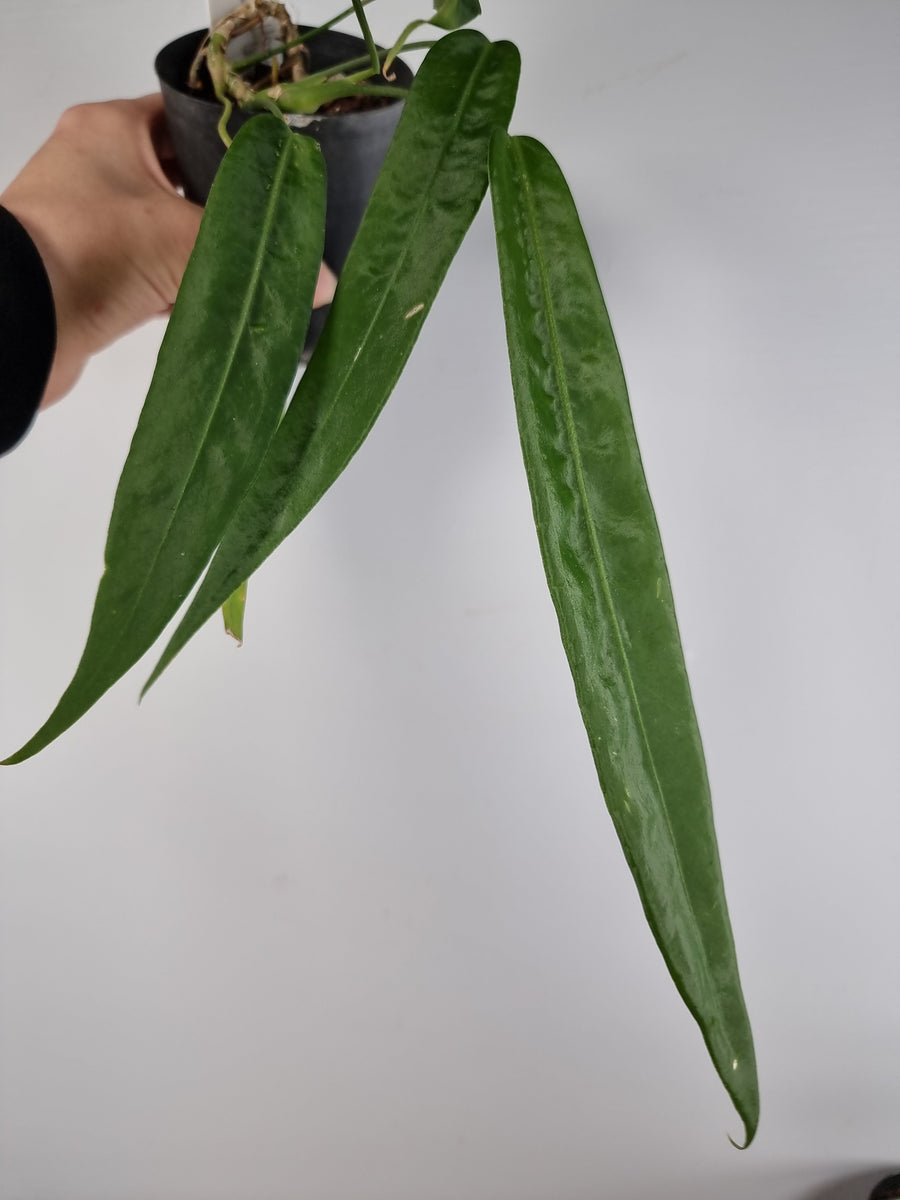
{"points": [[27, 330]]}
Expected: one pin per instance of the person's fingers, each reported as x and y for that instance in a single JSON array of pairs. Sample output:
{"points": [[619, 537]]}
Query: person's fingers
{"points": [[162, 142], [155, 144], [181, 227], [172, 171], [149, 105], [325, 285]]}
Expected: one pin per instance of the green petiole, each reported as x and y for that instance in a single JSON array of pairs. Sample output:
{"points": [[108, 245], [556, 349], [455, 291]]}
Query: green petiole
{"points": [[366, 32], [244, 63]]}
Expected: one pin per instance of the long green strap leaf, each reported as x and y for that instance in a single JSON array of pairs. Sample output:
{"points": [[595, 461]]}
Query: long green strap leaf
{"points": [[607, 575], [427, 194], [225, 368]]}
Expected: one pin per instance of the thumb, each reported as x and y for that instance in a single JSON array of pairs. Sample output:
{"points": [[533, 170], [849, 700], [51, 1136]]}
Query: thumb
{"points": [[325, 285]]}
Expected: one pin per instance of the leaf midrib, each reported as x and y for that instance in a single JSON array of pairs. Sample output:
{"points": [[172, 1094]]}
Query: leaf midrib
{"points": [[255, 277], [417, 221], [530, 208]]}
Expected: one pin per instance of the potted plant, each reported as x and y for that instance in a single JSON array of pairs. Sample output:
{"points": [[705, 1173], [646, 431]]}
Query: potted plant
{"points": [[219, 472], [353, 131]]}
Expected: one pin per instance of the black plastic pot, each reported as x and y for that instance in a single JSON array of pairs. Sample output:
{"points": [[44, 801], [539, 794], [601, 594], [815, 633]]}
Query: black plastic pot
{"points": [[354, 144]]}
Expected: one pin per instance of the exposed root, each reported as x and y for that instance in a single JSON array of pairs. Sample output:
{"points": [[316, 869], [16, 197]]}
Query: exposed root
{"points": [[282, 82], [251, 17]]}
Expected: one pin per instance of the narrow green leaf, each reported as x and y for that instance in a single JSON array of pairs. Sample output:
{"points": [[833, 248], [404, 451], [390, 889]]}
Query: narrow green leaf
{"points": [[607, 574], [233, 613], [225, 368], [427, 194]]}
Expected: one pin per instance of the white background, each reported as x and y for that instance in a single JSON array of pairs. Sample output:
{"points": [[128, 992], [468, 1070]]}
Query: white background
{"points": [[341, 915]]}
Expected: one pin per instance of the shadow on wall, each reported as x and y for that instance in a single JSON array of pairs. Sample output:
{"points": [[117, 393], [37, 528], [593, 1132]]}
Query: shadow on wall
{"points": [[857, 1187]]}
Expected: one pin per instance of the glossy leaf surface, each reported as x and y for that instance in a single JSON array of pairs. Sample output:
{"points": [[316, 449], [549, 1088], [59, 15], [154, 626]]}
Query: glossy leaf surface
{"points": [[225, 368], [453, 14], [427, 194], [607, 575]]}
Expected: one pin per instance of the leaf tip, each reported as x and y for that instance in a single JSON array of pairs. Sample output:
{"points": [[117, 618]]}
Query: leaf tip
{"points": [[20, 756], [749, 1114], [749, 1134]]}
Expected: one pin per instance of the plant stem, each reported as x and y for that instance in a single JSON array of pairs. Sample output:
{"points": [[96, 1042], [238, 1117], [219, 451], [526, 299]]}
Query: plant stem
{"points": [[342, 16], [367, 35], [398, 45], [216, 65], [222, 127], [352, 64], [378, 90], [301, 98], [270, 106], [300, 40]]}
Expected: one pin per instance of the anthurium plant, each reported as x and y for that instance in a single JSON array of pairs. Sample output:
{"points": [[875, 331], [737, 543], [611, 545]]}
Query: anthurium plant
{"points": [[222, 469]]}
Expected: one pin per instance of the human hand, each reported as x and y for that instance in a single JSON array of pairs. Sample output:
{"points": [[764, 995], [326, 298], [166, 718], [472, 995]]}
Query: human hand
{"points": [[100, 202]]}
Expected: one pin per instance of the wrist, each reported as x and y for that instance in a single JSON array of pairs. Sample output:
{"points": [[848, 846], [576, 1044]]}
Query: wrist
{"points": [[69, 355]]}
